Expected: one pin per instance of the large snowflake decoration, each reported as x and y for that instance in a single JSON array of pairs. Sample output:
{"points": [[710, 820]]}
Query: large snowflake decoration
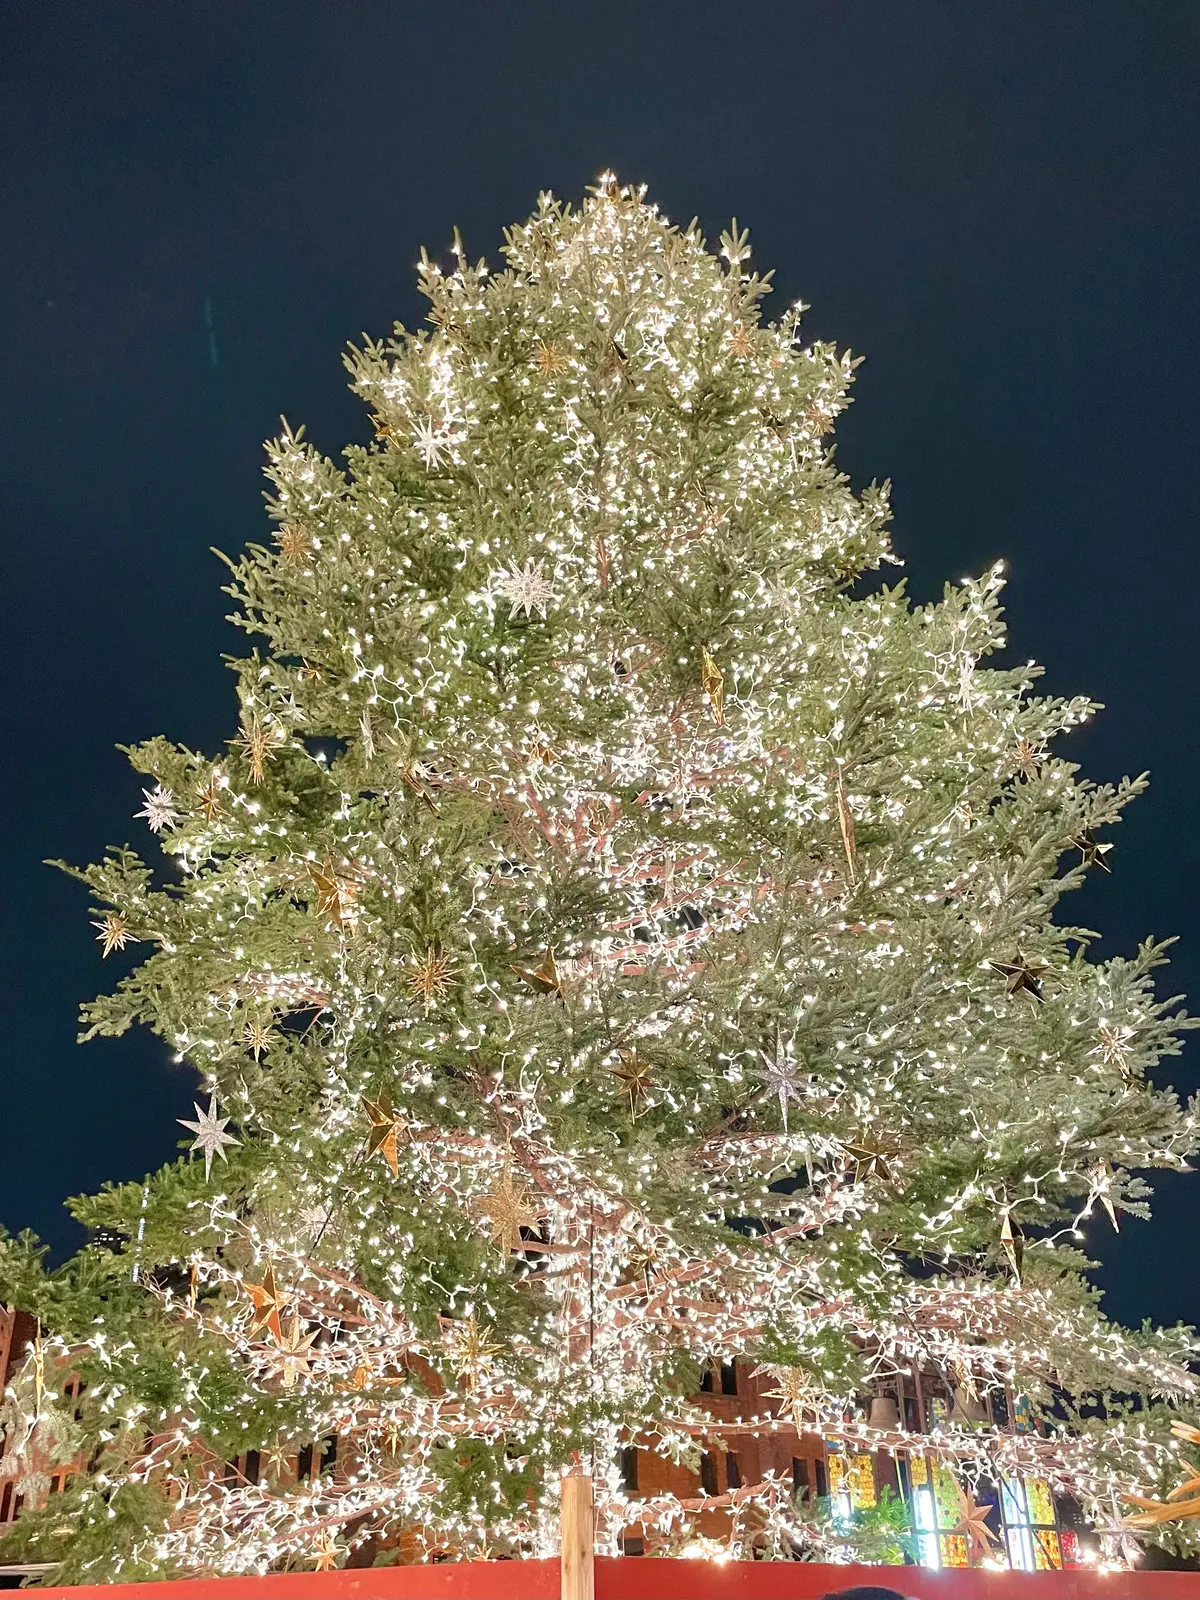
{"points": [[525, 588], [159, 809]]}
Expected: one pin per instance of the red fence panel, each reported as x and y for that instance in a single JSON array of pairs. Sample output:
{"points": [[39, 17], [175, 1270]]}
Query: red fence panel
{"points": [[641, 1578]]}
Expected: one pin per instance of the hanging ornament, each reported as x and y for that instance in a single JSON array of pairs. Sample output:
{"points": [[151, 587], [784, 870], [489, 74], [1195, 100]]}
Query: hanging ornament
{"points": [[525, 588], [293, 543], [292, 1357], [1012, 1242], [712, 681], [795, 1389], [545, 977], [872, 1157], [257, 746], [430, 976], [973, 1523], [325, 1552], [1102, 1190], [551, 361], [112, 932], [471, 1351], [781, 1078], [384, 1136], [210, 794], [336, 897], [159, 808], [1093, 853], [509, 1206], [268, 1304], [1022, 975], [740, 344], [633, 1074], [846, 828], [210, 1133], [1028, 757], [259, 1037]]}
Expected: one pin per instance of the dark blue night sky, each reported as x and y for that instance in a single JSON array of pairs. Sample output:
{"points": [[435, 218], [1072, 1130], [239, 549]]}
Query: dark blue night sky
{"points": [[995, 203]]}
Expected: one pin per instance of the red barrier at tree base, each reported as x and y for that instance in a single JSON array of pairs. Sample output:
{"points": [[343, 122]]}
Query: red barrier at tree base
{"points": [[639, 1578]]}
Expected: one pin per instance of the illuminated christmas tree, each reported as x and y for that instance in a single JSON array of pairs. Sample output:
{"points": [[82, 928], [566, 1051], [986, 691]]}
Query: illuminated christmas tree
{"points": [[616, 939]]}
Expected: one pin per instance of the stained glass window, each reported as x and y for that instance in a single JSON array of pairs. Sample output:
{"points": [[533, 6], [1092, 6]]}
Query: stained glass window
{"points": [[1030, 1525]]}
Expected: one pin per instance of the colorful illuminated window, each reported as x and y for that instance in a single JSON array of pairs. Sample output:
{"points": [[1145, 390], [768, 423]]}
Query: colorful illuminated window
{"points": [[936, 1513], [1030, 1525]]}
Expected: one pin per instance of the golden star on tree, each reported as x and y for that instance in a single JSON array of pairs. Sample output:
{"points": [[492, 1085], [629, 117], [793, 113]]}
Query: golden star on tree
{"points": [[796, 1390], [430, 976], [259, 1037], [712, 681], [1012, 1242], [112, 932], [267, 1303], [1028, 757], [551, 361], [384, 1136], [1022, 975], [257, 743], [336, 897], [294, 543], [740, 343], [471, 1350], [325, 1553], [973, 1522], [293, 1358], [210, 794], [873, 1157], [510, 1207], [633, 1074], [545, 976]]}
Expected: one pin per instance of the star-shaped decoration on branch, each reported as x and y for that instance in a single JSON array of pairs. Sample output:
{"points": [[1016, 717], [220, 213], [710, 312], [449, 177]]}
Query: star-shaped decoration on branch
{"points": [[293, 542], [325, 1552], [268, 1304], [257, 744], [551, 361], [633, 1074], [471, 1350], [779, 1074], [1093, 852], [433, 447], [337, 898], [292, 1358], [525, 588], [211, 1137], [1102, 1189], [430, 976], [795, 1388], [211, 793], [712, 681], [509, 1207], [159, 808], [545, 977], [384, 1136], [973, 1522], [1022, 975], [873, 1157], [112, 932], [1012, 1242]]}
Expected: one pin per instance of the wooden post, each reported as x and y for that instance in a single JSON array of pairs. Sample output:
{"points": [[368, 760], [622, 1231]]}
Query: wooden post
{"points": [[578, 1538]]}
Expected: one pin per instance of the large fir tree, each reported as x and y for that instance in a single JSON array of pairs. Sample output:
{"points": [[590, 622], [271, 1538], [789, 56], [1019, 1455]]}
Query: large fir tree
{"points": [[618, 938]]}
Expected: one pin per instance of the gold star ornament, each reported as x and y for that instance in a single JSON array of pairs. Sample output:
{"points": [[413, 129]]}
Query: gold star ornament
{"points": [[509, 1207], [384, 1137], [268, 1304]]}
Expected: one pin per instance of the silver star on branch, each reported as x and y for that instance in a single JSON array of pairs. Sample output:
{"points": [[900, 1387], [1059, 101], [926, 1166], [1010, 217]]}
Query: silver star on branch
{"points": [[159, 810], [779, 1074], [210, 1134], [432, 447], [524, 588]]}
